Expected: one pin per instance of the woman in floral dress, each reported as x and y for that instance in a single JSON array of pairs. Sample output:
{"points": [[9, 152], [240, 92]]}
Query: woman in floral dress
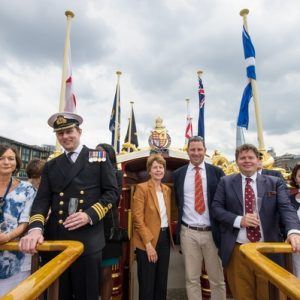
{"points": [[16, 198]]}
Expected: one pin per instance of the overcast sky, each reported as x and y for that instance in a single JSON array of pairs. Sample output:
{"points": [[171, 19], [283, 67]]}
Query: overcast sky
{"points": [[158, 45]]}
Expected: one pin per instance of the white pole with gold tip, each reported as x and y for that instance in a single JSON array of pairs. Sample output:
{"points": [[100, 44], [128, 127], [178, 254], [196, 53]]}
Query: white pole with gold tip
{"points": [[69, 14], [260, 137]]}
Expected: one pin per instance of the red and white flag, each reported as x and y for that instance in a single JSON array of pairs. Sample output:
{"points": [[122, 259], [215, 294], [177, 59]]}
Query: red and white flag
{"points": [[189, 128], [70, 99]]}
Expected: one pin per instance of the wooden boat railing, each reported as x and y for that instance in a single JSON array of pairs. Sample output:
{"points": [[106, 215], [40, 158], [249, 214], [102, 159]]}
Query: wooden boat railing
{"points": [[47, 275], [286, 282]]}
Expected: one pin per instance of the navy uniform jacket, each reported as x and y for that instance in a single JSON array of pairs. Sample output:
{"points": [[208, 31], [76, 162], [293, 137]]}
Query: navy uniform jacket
{"points": [[95, 186], [273, 206], [213, 175]]}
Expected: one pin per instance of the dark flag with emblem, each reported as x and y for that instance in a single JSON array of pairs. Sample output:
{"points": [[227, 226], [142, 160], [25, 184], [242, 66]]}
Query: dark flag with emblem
{"points": [[201, 108], [131, 131], [114, 123]]}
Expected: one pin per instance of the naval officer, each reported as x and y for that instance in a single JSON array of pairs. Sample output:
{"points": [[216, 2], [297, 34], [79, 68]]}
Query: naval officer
{"points": [[79, 186]]}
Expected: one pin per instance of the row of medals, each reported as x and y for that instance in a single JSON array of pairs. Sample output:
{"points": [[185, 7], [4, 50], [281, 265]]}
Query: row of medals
{"points": [[97, 156]]}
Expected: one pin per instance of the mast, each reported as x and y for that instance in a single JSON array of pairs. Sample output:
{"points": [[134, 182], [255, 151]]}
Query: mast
{"points": [[261, 143], [69, 14]]}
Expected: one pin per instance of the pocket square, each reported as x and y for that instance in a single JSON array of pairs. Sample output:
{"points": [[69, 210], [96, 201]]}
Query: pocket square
{"points": [[271, 193]]}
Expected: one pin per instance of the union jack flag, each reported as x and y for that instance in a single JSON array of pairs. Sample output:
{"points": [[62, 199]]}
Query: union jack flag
{"points": [[201, 94], [201, 108]]}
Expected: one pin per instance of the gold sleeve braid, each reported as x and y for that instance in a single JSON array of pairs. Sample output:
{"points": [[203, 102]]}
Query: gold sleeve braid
{"points": [[100, 210], [37, 218]]}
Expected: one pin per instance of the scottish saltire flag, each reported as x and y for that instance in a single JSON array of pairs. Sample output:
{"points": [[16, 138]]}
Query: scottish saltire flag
{"points": [[249, 53], [189, 128], [201, 108], [70, 99], [243, 117], [114, 123]]}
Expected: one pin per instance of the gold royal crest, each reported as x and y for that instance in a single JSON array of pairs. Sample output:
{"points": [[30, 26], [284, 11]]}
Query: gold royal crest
{"points": [[159, 138]]}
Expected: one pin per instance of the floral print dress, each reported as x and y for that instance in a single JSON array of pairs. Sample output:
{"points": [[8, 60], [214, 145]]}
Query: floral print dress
{"points": [[16, 210]]}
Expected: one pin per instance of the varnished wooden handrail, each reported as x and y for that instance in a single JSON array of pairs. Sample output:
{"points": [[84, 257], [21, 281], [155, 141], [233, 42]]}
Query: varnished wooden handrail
{"points": [[38, 282], [281, 278]]}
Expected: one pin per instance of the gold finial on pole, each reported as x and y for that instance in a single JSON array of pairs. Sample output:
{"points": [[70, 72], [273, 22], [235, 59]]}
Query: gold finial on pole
{"points": [[199, 72], [244, 13], [261, 144], [69, 13]]}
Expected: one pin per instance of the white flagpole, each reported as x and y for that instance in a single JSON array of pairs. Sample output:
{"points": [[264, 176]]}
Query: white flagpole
{"points": [[69, 14], [260, 137]]}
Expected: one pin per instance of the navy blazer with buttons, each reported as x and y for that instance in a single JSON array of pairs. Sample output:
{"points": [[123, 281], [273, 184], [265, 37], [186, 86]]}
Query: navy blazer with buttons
{"points": [[213, 175], [273, 205]]}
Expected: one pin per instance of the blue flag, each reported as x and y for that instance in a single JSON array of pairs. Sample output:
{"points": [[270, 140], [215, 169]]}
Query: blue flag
{"points": [[243, 118], [249, 54], [201, 93], [114, 123]]}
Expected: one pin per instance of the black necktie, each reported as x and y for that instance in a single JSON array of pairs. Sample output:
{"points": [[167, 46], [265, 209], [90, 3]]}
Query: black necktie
{"points": [[69, 157]]}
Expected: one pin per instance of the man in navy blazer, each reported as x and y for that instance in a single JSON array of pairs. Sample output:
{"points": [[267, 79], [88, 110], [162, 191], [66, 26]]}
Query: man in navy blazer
{"points": [[271, 205], [198, 230]]}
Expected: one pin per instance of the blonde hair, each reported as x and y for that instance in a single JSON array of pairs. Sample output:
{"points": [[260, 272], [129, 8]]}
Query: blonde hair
{"points": [[155, 157]]}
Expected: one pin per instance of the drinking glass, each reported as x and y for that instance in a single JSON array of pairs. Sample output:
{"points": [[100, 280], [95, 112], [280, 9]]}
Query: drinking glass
{"points": [[73, 203], [254, 207]]}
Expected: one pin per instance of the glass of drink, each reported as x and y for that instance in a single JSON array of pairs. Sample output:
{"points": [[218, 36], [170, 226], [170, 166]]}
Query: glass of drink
{"points": [[73, 204]]}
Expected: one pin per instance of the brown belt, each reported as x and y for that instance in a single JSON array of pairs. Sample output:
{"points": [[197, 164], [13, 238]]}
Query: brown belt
{"points": [[198, 228]]}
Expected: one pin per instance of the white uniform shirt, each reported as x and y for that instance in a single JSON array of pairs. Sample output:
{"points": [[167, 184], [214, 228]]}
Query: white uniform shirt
{"points": [[75, 154]]}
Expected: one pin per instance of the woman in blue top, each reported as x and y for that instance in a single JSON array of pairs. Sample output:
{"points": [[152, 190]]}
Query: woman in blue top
{"points": [[16, 198]]}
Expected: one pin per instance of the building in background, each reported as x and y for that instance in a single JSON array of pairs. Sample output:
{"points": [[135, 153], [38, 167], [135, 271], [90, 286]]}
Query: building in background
{"points": [[28, 152], [287, 161]]}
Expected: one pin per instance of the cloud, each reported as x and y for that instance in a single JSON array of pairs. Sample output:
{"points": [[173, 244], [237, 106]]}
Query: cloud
{"points": [[159, 46]]}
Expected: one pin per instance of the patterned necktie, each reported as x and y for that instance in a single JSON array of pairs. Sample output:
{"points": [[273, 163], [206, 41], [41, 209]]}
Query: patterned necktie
{"points": [[69, 156], [199, 198], [253, 233]]}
